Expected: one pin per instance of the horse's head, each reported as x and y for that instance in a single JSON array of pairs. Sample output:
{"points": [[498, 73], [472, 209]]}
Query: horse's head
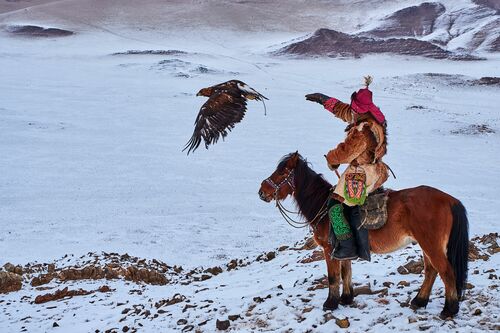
{"points": [[282, 181]]}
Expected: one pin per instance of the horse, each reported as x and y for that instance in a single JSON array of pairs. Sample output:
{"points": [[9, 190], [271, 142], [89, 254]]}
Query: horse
{"points": [[424, 215]]}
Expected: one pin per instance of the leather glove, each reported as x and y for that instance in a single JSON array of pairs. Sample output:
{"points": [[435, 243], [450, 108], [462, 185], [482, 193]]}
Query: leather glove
{"points": [[318, 98]]}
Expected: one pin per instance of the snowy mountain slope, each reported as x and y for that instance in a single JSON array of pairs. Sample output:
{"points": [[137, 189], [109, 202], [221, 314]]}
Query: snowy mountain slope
{"points": [[433, 29]]}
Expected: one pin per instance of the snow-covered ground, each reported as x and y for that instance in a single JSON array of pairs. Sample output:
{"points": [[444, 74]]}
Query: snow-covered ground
{"points": [[90, 161]]}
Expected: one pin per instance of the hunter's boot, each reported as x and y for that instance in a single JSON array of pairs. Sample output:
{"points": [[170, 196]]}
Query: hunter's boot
{"points": [[346, 245], [360, 233]]}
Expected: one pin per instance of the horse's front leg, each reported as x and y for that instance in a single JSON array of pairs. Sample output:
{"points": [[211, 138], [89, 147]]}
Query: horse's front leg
{"points": [[347, 290], [333, 267]]}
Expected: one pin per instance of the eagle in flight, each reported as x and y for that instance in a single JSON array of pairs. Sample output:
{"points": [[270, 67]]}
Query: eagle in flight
{"points": [[225, 107]]}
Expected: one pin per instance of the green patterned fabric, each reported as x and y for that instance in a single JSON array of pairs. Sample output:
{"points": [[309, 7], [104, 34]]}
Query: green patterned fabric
{"points": [[341, 228]]}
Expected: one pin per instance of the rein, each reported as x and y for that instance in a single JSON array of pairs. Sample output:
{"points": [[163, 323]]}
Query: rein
{"points": [[290, 180]]}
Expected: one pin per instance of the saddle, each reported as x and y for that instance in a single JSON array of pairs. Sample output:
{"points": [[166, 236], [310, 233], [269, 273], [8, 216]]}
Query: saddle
{"points": [[373, 215], [374, 210]]}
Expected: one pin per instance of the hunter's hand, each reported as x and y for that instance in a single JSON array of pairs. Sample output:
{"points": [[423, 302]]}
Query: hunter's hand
{"points": [[333, 167], [317, 97]]}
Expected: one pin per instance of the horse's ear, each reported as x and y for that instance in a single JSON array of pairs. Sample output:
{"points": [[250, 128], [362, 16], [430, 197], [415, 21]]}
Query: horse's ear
{"points": [[292, 162]]}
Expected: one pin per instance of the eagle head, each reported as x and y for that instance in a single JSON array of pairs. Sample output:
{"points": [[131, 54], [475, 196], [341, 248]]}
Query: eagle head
{"points": [[207, 92]]}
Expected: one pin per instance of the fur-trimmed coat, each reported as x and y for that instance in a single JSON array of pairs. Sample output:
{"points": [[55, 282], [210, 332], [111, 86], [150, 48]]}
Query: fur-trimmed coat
{"points": [[364, 146]]}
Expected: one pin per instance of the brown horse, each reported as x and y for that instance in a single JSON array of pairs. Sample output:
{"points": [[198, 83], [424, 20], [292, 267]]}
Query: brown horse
{"points": [[432, 218]]}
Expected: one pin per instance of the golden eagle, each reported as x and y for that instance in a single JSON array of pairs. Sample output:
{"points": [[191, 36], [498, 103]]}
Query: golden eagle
{"points": [[225, 107]]}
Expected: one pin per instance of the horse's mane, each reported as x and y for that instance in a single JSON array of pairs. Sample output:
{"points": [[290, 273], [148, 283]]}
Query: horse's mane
{"points": [[311, 188]]}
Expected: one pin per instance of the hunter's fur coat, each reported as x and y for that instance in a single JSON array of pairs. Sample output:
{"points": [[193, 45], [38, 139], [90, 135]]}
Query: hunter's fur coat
{"points": [[362, 149]]}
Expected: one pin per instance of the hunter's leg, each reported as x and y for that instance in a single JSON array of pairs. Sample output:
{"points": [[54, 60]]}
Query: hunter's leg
{"points": [[346, 245]]}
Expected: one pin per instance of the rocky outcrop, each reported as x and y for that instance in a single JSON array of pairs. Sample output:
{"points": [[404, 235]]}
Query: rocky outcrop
{"points": [[331, 43], [10, 282], [411, 21], [36, 31]]}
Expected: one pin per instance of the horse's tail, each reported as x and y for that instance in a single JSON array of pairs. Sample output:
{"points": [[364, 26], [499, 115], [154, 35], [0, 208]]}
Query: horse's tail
{"points": [[458, 246]]}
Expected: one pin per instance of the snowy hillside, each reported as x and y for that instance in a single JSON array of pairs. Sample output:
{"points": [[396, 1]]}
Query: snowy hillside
{"points": [[97, 99]]}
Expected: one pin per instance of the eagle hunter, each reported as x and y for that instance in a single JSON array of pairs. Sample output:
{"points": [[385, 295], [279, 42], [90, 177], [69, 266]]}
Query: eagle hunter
{"points": [[225, 107]]}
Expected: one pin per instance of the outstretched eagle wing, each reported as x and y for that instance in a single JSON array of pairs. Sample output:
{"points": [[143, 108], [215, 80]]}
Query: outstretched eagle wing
{"points": [[216, 118]]}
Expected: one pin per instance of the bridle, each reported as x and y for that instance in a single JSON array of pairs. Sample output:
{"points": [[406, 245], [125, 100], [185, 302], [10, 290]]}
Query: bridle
{"points": [[290, 180]]}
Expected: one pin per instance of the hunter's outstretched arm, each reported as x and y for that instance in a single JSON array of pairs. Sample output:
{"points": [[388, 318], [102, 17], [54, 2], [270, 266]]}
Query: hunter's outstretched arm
{"points": [[339, 109]]}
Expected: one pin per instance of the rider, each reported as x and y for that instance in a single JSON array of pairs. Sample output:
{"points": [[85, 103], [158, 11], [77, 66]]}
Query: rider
{"points": [[363, 149]]}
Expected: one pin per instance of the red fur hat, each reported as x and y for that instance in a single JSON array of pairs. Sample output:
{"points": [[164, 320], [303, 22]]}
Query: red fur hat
{"points": [[361, 102]]}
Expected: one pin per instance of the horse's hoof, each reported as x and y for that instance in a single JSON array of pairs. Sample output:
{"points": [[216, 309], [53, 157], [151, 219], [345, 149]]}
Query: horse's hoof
{"points": [[450, 310], [445, 314], [417, 303], [330, 304], [347, 299]]}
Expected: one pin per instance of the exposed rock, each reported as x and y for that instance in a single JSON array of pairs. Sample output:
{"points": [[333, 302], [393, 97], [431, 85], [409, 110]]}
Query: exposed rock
{"points": [[152, 52], [469, 286], [233, 317], [177, 298], [366, 290], [131, 273], [42, 279], [309, 244], [222, 324], [182, 321], [270, 256], [474, 129], [410, 21], [62, 293], [36, 31], [342, 323], [145, 275], [475, 253], [493, 4], [13, 269], [487, 81], [315, 256], [10, 282], [412, 267], [331, 43], [404, 283], [213, 270], [232, 264]]}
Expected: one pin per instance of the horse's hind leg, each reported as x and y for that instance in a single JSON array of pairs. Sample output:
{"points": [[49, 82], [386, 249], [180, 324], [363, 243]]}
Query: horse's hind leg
{"points": [[422, 297], [347, 290], [440, 262], [333, 266], [446, 273]]}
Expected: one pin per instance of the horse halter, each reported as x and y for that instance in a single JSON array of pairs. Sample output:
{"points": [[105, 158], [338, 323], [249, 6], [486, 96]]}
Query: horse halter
{"points": [[289, 179]]}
